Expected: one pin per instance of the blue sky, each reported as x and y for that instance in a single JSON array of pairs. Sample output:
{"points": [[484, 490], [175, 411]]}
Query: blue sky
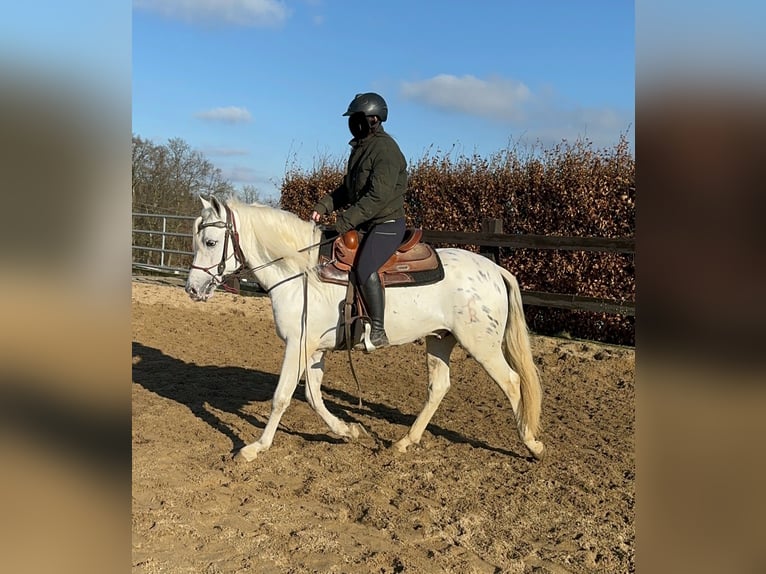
{"points": [[261, 85]]}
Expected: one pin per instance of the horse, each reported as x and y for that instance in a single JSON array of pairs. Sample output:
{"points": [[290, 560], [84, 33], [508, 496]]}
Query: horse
{"points": [[477, 304]]}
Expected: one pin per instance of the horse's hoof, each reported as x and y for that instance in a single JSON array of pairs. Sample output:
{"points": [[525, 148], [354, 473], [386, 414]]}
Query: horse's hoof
{"points": [[243, 456], [537, 449], [239, 458], [356, 430], [401, 445]]}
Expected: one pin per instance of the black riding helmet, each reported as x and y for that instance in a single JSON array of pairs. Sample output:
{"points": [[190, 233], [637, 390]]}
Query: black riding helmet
{"points": [[370, 104]]}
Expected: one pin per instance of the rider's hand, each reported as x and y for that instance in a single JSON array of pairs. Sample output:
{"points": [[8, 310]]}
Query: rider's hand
{"points": [[315, 217]]}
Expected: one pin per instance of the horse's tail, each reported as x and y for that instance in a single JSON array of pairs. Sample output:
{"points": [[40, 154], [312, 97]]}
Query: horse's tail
{"points": [[518, 352]]}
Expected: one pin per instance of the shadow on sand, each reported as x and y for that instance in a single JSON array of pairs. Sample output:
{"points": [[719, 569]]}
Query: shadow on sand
{"points": [[205, 389]]}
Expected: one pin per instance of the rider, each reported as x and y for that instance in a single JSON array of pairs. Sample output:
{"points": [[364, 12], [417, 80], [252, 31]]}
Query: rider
{"points": [[372, 193]]}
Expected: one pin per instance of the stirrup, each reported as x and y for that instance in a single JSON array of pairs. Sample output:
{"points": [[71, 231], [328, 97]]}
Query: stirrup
{"points": [[366, 344], [369, 346]]}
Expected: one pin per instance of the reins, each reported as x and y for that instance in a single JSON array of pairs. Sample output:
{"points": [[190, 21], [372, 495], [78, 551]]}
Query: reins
{"points": [[347, 331]]}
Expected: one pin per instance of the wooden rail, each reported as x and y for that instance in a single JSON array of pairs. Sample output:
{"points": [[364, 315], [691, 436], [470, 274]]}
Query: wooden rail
{"points": [[602, 244], [492, 238], [489, 241], [578, 303]]}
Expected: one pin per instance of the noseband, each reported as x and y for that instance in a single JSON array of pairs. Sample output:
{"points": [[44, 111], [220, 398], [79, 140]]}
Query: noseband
{"points": [[231, 233]]}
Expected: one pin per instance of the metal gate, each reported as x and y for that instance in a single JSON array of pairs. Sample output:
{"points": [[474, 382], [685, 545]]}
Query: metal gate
{"points": [[162, 243]]}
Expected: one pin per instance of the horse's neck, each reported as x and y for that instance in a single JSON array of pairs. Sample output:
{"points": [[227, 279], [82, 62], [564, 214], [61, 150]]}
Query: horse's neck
{"points": [[273, 269]]}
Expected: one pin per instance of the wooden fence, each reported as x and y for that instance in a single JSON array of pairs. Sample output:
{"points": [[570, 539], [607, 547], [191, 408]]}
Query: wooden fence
{"points": [[490, 240]]}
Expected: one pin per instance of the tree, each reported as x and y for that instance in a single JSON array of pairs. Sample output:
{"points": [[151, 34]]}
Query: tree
{"points": [[250, 194], [169, 178]]}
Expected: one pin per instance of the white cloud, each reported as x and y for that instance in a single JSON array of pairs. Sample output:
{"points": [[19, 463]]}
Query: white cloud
{"points": [[225, 152], [602, 126], [603, 118], [237, 12], [229, 115], [496, 97], [241, 175], [542, 115]]}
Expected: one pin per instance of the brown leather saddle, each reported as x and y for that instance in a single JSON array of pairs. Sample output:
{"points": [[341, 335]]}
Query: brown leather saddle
{"points": [[414, 263]]}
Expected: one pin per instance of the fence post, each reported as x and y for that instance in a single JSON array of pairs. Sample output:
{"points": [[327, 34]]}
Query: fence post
{"points": [[491, 226], [164, 229]]}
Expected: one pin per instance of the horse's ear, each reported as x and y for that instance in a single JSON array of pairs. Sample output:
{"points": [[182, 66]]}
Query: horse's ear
{"points": [[205, 203], [217, 205]]}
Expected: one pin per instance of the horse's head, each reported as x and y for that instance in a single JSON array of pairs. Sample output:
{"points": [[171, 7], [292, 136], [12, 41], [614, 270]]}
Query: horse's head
{"points": [[217, 253]]}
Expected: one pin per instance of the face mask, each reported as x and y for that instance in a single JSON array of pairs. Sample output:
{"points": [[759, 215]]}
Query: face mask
{"points": [[359, 125]]}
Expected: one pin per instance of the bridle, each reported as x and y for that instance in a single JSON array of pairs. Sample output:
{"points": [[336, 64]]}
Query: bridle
{"points": [[230, 227]]}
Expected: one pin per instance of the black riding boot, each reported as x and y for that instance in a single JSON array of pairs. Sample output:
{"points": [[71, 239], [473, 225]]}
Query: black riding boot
{"points": [[374, 298]]}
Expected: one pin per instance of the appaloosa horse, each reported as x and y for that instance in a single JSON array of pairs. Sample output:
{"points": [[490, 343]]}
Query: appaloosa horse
{"points": [[476, 304]]}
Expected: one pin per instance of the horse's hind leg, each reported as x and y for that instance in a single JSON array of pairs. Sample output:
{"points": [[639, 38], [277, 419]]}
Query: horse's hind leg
{"points": [[314, 376], [438, 354], [491, 358]]}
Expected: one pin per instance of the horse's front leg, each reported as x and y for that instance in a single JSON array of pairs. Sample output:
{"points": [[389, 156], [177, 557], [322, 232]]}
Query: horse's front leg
{"points": [[314, 397], [292, 369]]}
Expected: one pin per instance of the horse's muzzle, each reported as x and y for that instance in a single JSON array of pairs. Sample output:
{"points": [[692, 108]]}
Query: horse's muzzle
{"points": [[202, 294]]}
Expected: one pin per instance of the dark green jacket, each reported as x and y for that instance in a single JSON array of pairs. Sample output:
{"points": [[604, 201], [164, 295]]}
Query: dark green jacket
{"points": [[374, 185]]}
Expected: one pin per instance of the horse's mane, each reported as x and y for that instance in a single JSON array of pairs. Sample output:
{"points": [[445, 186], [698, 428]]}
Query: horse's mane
{"points": [[274, 233]]}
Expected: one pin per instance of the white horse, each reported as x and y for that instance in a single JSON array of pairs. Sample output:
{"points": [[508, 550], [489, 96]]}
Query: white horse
{"points": [[477, 304]]}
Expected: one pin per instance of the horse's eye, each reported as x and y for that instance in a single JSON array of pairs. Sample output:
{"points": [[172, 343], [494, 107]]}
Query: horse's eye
{"points": [[211, 242]]}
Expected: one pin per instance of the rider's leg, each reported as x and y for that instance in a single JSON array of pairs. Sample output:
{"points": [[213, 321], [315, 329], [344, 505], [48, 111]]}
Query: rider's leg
{"points": [[375, 299], [377, 246]]}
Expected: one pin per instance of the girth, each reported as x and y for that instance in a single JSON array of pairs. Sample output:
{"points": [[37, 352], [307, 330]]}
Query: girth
{"points": [[414, 263]]}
